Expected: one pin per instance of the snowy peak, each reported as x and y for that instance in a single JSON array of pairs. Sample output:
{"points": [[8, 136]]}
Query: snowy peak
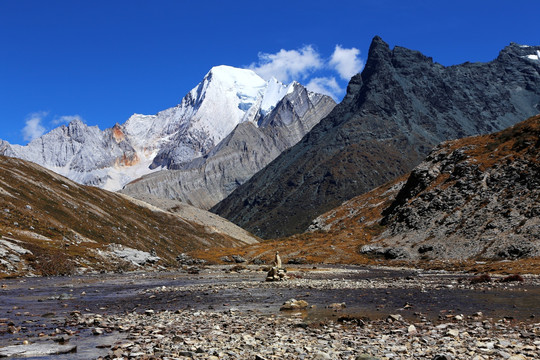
{"points": [[246, 85], [274, 92], [241, 86], [235, 78], [226, 97], [111, 158]]}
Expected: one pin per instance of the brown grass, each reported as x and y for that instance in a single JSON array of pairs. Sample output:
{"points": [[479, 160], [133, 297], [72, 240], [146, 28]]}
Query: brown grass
{"points": [[357, 221], [77, 219]]}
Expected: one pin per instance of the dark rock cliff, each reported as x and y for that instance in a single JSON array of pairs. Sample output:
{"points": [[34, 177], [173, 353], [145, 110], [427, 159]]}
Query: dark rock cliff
{"points": [[473, 198], [394, 112]]}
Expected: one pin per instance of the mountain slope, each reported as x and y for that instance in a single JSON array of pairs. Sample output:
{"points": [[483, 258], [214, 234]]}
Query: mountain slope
{"points": [[473, 198], [111, 158], [478, 197], [393, 114], [46, 218], [205, 181]]}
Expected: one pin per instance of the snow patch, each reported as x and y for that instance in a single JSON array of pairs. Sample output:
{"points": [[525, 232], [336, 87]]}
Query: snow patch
{"points": [[134, 256], [275, 91], [534, 56]]}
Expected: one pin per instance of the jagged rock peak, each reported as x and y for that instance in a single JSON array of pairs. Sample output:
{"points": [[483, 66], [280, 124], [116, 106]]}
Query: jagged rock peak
{"points": [[522, 51], [400, 106]]}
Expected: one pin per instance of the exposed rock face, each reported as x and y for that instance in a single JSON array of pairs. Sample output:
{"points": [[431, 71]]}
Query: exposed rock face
{"points": [[207, 180], [476, 198], [78, 149], [393, 114], [147, 143]]}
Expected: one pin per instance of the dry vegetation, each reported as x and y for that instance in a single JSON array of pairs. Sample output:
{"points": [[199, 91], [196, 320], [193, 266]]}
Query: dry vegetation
{"points": [[62, 223], [357, 221]]}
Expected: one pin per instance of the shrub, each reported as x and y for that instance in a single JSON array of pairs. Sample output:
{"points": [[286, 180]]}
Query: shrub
{"points": [[511, 278], [49, 262], [481, 279], [54, 264]]}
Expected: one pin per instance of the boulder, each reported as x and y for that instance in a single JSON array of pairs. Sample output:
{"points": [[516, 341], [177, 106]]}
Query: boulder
{"points": [[293, 304]]}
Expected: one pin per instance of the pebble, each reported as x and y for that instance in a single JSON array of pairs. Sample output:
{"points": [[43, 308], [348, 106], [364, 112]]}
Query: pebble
{"points": [[293, 304], [249, 335], [238, 334]]}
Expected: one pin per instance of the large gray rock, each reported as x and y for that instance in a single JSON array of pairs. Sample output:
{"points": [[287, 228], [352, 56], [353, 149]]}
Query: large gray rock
{"points": [[395, 111], [37, 349], [207, 180]]}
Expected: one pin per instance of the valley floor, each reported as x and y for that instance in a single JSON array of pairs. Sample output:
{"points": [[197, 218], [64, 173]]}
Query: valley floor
{"points": [[220, 313]]}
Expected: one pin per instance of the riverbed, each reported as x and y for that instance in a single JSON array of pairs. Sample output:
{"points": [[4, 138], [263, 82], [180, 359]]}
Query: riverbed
{"points": [[49, 310]]}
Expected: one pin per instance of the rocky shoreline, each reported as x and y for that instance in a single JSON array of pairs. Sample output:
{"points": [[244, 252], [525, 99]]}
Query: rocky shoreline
{"points": [[236, 335], [232, 313]]}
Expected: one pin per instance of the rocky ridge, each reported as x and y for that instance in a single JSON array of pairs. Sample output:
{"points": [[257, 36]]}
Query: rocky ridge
{"points": [[395, 111], [474, 198], [205, 181]]}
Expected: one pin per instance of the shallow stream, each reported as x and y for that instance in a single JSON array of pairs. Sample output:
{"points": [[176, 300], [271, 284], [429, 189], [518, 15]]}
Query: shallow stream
{"points": [[36, 307]]}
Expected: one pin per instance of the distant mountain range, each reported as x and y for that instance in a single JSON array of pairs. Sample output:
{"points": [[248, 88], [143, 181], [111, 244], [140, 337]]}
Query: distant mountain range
{"points": [[394, 112], [208, 114]]}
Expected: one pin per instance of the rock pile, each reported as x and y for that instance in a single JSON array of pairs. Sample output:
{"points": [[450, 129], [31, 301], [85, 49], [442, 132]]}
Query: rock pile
{"points": [[185, 259], [276, 274]]}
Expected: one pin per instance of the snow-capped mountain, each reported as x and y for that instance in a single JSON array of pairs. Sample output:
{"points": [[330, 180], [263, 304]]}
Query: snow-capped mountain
{"points": [[111, 158], [251, 146]]}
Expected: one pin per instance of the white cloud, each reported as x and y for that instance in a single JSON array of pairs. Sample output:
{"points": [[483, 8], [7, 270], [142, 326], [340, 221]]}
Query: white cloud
{"points": [[33, 128], [66, 119], [325, 85], [287, 65], [346, 62]]}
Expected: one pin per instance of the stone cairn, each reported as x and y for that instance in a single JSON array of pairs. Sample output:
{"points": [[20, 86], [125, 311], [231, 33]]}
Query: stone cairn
{"points": [[276, 273]]}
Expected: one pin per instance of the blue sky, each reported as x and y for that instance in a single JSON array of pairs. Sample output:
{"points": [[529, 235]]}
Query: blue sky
{"points": [[102, 61]]}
